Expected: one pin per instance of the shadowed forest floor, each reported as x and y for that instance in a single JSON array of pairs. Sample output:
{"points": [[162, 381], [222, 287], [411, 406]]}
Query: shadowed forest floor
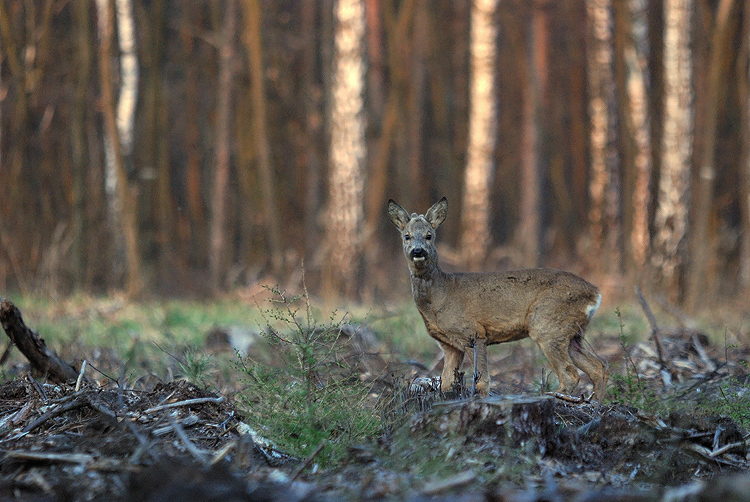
{"points": [[220, 403]]}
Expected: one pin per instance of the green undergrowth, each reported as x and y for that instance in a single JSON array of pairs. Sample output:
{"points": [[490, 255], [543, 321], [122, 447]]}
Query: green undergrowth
{"points": [[314, 402]]}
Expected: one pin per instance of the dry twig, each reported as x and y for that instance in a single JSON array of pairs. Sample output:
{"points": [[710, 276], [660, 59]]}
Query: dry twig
{"points": [[664, 360], [187, 402]]}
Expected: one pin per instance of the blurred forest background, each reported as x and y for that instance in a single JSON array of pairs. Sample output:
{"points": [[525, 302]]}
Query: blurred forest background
{"points": [[187, 147]]}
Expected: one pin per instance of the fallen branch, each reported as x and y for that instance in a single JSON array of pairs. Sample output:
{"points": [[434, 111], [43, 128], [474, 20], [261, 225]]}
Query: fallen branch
{"points": [[197, 453], [37, 456], [307, 461], [570, 399], [664, 360], [32, 346], [54, 412], [726, 448], [187, 402], [460, 479]]}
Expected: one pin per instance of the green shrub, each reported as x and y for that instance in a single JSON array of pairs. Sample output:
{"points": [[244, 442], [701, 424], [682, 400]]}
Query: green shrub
{"points": [[315, 396]]}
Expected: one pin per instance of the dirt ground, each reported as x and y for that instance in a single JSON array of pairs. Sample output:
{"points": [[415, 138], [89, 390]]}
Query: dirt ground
{"points": [[677, 431]]}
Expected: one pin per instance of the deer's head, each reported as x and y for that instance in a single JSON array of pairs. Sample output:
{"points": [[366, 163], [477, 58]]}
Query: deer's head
{"points": [[418, 233]]}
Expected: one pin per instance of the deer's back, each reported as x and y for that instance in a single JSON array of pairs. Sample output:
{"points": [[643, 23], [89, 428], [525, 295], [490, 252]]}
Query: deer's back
{"points": [[503, 304]]}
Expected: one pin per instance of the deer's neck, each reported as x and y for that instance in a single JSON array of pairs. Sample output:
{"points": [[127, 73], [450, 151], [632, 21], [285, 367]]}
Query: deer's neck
{"points": [[424, 285]]}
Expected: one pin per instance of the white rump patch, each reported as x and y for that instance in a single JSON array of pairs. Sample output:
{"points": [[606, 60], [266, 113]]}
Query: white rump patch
{"points": [[591, 309]]}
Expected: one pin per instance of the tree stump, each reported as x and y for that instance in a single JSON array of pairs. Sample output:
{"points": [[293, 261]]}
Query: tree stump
{"points": [[520, 421]]}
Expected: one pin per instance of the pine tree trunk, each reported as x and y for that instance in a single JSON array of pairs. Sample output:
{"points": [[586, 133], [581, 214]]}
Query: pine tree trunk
{"points": [[530, 228], [475, 237], [671, 220], [217, 251], [78, 138], [604, 187], [636, 55], [745, 170], [254, 46], [122, 210], [344, 222], [702, 242]]}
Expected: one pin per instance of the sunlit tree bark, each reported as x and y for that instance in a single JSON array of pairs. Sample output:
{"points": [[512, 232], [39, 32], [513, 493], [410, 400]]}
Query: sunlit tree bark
{"points": [[530, 228], [636, 55], [671, 220], [217, 250], [745, 169], [475, 218], [122, 210], [604, 186], [703, 242], [344, 221], [252, 38]]}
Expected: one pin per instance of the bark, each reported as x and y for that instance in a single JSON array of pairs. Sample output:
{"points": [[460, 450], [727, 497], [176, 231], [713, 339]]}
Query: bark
{"points": [[159, 141], [42, 359], [128, 78], [604, 186], [745, 169], [475, 237], [519, 421], [78, 137], [254, 46], [703, 243], [416, 106], [313, 126], [344, 222], [530, 229], [217, 251], [122, 210], [671, 219], [636, 55]]}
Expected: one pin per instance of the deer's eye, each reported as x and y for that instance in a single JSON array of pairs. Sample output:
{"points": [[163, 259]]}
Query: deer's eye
{"points": [[407, 237], [428, 237]]}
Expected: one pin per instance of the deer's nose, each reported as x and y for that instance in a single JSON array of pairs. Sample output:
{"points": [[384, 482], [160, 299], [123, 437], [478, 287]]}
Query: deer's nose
{"points": [[418, 253]]}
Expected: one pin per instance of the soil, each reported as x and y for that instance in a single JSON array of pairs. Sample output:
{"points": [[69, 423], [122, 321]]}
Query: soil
{"points": [[177, 441]]}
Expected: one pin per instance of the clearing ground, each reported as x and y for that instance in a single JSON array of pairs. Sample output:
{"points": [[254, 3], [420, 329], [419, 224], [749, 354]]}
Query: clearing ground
{"points": [[180, 402]]}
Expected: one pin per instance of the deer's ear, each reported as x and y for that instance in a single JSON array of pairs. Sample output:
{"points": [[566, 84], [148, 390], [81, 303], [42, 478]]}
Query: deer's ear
{"points": [[437, 213], [398, 215]]}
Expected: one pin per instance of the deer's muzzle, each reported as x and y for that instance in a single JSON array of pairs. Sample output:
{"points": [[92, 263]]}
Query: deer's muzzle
{"points": [[418, 254]]}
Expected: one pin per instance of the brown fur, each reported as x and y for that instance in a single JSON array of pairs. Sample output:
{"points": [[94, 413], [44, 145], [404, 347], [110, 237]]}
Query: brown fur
{"points": [[549, 306]]}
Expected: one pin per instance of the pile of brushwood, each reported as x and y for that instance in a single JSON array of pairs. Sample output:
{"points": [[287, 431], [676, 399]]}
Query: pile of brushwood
{"points": [[65, 437]]}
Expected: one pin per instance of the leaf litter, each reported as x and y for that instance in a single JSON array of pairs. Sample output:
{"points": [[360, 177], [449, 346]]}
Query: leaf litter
{"points": [[177, 441]]}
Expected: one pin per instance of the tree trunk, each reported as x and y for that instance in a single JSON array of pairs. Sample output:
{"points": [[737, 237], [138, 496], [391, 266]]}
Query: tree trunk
{"points": [[344, 221], [252, 39], [636, 55], [530, 228], [122, 209], [476, 235], [703, 243], [745, 169], [416, 106], [78, 139], [159, 142], [216, 259], [313, 126], [604, 186], [671, 220]]}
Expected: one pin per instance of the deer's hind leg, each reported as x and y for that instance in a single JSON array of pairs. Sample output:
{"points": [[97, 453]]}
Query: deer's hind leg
{"points": [[590, 364], [555, 349]]}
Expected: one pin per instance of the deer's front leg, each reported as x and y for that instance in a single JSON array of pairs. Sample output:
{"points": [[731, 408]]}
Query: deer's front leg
{"points": [[452, 359], [483, 384]]}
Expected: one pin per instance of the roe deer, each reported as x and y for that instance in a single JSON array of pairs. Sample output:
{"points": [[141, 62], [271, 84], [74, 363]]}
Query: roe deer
{"points": [[549, 306]]}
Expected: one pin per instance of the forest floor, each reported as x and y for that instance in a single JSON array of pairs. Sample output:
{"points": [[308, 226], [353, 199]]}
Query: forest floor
{"points": [[180, 404]]}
